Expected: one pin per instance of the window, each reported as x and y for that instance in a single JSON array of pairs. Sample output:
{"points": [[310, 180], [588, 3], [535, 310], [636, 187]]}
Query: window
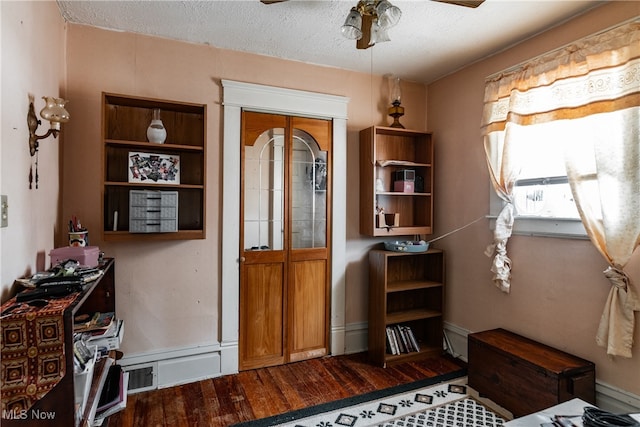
{"points": [[542, 197]]}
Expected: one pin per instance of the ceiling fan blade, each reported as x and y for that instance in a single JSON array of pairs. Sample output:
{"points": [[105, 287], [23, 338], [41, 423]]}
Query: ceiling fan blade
{"points": [[467, 3], [271, 1]]}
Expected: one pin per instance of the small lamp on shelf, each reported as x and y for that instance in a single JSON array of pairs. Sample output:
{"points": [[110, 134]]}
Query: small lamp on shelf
{"points": [[396, 110]]}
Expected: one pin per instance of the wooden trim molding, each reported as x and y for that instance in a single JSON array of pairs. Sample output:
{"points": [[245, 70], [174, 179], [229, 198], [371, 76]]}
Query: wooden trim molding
{"points": [[238, 96]]}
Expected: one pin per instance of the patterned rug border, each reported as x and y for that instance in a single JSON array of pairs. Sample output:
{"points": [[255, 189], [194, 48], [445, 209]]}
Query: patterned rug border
{"points": [[351, 401]]}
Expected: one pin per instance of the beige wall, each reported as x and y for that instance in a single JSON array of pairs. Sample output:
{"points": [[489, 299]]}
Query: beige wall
{"points": [[168, 293], [558, 289], [33, 61]]}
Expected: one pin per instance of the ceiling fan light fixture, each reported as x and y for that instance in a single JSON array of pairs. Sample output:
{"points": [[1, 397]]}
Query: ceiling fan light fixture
{"points": [[369, 21], [378, 33], [352, 28], [388, 14]]}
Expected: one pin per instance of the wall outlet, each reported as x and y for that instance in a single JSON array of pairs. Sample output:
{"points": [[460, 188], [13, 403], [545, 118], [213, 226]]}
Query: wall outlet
{"points": [[4, 211]]}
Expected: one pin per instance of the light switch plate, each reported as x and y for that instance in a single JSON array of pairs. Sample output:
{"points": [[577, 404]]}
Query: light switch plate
{"points": [[4, 211]]}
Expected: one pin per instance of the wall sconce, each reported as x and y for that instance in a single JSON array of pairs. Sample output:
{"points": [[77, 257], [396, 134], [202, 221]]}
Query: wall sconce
{"points": [[54, 112]]}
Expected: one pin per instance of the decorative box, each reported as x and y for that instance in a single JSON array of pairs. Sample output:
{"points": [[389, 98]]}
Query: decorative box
{"points": [[403, 186], [404, 175], [87, 256]]}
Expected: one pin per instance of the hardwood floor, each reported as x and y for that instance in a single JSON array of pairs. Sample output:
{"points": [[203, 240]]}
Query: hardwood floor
{"points": [[260, 393]]}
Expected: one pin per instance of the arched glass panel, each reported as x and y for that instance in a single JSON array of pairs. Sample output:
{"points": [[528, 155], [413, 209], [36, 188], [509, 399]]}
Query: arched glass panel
{"points": [[264, 192], [309, 193]]}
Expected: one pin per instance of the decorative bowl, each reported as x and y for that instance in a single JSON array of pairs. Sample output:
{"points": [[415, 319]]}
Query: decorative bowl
{"points": [[407, 246]]}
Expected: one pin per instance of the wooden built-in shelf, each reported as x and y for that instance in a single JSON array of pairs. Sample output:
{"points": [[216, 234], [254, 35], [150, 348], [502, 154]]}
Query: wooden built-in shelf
{"points": [[383, 152], [125, 122]]}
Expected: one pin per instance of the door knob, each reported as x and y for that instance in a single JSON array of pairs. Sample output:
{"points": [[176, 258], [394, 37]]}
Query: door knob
{"points": [[242, 259]]}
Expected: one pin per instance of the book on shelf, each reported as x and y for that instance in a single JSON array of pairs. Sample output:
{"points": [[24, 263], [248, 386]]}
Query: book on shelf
{"points": [[110, 340], [110, 331], [99, 378], [401, 339], [391, 344], [400, 330], [93, 322], [112, 389], [118, 403], [81, 352], [412, 338]]}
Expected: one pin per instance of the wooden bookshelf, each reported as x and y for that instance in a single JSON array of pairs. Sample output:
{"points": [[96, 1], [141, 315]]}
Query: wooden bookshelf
{"points": [[405, 289], [58, 406]]}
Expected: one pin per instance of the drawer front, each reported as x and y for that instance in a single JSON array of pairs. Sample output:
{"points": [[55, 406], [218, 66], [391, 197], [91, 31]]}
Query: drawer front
{"points": [[152, 226], [153, 198], [510, 382], [139, 212]]}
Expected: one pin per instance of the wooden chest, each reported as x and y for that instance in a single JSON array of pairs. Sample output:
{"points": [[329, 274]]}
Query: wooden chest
{"points": [[525, 376]]}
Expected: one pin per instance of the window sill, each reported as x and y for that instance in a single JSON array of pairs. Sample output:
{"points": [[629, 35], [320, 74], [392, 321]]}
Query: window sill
{"points": [[567, 228]]}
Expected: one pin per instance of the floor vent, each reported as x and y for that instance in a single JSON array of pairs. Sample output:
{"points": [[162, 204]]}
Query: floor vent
{"points": [[142, 377]]}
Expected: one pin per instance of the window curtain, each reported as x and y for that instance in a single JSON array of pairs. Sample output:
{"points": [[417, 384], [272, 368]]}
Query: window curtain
{"points": [[503, 171], [586, 98]]}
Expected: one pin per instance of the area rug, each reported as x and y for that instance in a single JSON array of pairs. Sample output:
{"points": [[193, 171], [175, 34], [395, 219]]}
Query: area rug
{"points": [[442, 401]]}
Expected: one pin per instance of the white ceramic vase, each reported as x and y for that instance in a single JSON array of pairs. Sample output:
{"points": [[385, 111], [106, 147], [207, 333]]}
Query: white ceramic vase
{"points": [[156, 132]]}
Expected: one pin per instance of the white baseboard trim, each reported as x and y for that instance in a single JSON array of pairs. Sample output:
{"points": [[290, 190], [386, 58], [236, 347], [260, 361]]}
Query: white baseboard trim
{"points": [[229, 361], [356, 337], [168, 353], [615, 400], [337, 340], [188, 369], [455, 339], [171, 367], [609, 398]]}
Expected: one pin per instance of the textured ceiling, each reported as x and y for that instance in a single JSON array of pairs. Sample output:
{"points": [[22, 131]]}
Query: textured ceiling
{"points": [[431, 40]]}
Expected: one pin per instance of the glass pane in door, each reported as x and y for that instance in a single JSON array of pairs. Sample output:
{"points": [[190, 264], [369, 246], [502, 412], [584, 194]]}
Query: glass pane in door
{"points": [[308, 193], [264, 192]]}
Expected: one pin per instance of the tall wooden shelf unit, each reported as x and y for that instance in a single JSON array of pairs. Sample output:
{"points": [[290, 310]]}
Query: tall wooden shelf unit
{"points": [[98, 296], [406, 288], [383, 151], [125, 122]]}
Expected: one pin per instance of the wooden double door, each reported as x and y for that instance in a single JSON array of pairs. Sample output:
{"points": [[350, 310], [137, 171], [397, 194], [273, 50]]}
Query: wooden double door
{"points": [[285, 231]]}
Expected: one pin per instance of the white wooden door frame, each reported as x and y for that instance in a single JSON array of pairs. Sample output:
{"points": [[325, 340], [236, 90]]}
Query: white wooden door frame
{"points": [[236, 97]]}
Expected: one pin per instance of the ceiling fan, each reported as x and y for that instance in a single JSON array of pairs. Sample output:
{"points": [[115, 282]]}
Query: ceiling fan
{"points": [[369, 20], [470, 3]]}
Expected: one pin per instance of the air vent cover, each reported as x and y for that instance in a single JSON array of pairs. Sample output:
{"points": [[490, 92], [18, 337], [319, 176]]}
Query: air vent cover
{"points": [[142, 377]]}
